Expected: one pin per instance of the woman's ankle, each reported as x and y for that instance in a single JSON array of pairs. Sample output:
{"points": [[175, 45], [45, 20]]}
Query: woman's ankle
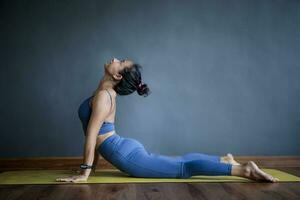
{"points": [[237, 170], [223, 159]]}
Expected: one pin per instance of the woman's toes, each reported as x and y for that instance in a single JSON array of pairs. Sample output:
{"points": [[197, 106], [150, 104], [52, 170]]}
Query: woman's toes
{"points": [[231, 159], [264, 175], [230, 155]]}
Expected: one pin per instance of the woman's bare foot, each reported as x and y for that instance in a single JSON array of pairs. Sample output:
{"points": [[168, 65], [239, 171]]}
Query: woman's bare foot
{"points": [[229, 159], [251, 171]]}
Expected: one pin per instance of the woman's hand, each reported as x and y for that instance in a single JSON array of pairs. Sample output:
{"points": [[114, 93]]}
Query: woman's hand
{"points": [[73, 179], [77, 171]]}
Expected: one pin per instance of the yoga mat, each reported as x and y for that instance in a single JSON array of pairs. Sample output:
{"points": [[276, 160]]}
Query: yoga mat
{"points": [[116, 176]]}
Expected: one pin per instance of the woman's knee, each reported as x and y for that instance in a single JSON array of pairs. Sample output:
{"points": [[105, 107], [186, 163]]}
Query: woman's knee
{"points": [[185, 171]]}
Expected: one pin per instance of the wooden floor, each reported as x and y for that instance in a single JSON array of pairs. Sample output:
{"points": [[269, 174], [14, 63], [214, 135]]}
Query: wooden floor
{"points": [[140, 191]]}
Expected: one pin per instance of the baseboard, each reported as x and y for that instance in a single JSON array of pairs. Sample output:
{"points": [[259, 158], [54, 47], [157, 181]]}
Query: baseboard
{"points": [[74, 162]]}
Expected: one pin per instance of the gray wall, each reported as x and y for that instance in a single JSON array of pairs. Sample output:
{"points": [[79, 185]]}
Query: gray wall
{"points": [[224, 75]]}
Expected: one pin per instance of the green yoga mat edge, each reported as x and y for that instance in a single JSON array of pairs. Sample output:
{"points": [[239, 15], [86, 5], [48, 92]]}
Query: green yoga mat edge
{"points": [[24, 177]]}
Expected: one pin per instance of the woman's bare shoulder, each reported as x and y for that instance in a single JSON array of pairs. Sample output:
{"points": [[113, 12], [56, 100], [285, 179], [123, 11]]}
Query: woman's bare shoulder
{"points": [[100, 92]]}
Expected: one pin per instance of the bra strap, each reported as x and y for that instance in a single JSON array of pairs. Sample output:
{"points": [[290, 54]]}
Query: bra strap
{"points": [[110, 99]]}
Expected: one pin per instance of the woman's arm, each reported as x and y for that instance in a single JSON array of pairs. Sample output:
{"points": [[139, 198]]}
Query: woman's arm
{"points": [[100, 110], [96, 159]]}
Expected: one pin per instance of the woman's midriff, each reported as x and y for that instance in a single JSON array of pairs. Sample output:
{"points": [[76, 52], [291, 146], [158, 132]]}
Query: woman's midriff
{"points": [[102, 138]]}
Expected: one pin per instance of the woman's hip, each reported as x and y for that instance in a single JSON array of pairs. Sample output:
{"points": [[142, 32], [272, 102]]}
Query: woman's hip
{"points": [[117, 143]]}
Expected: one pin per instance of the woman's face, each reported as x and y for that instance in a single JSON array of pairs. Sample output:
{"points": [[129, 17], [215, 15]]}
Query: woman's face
{"points": [[114, 66]]}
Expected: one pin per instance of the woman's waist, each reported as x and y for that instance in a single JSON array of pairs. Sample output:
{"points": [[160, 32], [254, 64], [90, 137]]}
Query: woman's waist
{"points": [[104, 137]]}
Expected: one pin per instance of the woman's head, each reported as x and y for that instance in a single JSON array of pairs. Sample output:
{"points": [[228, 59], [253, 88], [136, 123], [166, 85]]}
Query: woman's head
{"points": [[127, 77]]}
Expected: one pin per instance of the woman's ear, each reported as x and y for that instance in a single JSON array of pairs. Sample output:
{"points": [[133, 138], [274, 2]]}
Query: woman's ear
{"points": [[117, 76]]}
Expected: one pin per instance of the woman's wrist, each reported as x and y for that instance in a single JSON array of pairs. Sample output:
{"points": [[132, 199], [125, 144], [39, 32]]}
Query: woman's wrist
{"points": [[85, 172], [86, 169]]}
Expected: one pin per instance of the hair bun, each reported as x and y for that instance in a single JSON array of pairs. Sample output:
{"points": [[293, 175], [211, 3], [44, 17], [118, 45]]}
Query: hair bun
{"points": [[143, 89], [140, 85]]}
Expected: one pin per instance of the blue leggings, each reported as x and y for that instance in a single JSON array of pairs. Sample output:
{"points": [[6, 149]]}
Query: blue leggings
{"points": [[130, 156]]}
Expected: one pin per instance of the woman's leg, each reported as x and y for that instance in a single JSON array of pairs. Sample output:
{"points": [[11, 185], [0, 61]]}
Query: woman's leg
{"points": [[201, 166], [140, 163], [215, 158], [200, 156], [134, 159], [131, 157], [155, 165], [205, 167]]}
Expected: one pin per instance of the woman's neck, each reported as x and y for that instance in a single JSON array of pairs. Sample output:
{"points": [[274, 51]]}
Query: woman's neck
{"points": [[105, 83]]}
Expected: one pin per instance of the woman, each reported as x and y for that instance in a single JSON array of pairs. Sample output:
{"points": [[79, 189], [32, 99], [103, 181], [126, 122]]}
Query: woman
{"points": [[129, 155]]}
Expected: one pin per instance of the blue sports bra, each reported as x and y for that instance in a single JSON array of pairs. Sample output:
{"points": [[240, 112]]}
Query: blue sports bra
{"points": [[84, 113]]}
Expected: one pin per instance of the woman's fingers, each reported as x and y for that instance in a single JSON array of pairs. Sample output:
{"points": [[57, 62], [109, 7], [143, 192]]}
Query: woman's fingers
{"points": [[65, 179], [60, 179], [72, 179]]}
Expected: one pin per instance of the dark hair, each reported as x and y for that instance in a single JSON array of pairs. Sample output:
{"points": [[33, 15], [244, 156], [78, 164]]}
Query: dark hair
{"points": [[132, 81]]}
